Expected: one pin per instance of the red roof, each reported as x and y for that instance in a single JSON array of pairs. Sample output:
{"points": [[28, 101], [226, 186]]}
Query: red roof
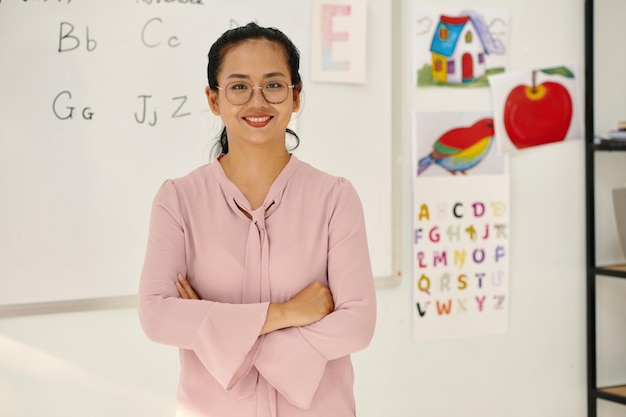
{"points": [[455, 20]]}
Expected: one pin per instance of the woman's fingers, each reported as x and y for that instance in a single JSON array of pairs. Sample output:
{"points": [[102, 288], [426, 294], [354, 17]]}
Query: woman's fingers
{"points": [[185, 290]]}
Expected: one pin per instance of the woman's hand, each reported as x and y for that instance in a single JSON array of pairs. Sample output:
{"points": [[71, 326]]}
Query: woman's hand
{"points": [[311, 304], [185, 290]]}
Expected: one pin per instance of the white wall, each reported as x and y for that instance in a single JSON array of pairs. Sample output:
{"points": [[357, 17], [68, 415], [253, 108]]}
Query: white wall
{"points": [[65, 364], [95, 363]]}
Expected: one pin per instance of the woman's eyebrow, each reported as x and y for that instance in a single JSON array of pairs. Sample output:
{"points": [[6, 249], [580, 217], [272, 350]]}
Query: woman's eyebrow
{"points": [[275, 74], [235, 75], [247, 77]]}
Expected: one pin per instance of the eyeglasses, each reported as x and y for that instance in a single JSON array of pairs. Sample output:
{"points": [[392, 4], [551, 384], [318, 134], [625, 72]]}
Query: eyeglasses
{"points": [[240, 92]]}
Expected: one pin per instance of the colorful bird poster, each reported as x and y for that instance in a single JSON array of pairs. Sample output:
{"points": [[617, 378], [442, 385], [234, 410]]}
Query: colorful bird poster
{"points": [[458, 47], [536, 107], [455, 143], [460, 271]]}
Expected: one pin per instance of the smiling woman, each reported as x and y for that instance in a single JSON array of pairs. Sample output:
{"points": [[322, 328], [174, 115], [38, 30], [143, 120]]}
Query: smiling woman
{"points": [[257, 265]]}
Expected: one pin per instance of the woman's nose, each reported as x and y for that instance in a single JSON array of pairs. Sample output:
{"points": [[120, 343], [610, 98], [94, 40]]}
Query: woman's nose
{"points": [[258, 96]]}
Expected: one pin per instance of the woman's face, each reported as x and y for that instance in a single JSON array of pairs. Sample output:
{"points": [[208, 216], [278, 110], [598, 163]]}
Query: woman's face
{"points": [[257, 122]]}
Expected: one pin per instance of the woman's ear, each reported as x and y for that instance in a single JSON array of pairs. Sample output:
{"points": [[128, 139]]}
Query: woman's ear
{"points": [[211, 97], [296, 97]]}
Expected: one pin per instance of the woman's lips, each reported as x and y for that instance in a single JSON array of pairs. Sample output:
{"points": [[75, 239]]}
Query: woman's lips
{"points": [[257, 121]]}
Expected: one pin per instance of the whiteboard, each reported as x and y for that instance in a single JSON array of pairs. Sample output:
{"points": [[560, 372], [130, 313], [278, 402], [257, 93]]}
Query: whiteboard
{"points": [[101, 102]]}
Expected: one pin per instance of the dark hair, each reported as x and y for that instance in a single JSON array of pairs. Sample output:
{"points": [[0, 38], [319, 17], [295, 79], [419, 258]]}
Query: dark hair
{"points": [[232, 38]]}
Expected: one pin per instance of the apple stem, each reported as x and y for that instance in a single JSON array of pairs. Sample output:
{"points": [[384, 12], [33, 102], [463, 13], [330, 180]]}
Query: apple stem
{"points": [[534, 89]]}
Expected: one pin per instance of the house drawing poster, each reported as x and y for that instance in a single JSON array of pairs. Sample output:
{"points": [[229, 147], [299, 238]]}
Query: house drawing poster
{"points": [[338, 41], [458, 47], [536, 107], [455, 143], [460, 232]]}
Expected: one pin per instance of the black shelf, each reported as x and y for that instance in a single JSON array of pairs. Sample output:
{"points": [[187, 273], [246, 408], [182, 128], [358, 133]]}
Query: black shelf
{"points": [[615, 394], [595, 145], [617, 147], [617, 271]]}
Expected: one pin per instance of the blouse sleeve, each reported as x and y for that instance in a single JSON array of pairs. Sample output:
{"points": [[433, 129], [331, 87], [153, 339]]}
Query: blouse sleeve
{"points": [[199, 325], [293, 360]]}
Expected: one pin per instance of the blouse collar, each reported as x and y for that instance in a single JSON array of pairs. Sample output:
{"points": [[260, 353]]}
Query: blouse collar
{"points": [[237, 200]]}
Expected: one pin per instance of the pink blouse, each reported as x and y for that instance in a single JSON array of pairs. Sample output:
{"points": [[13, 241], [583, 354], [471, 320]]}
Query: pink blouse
{"points": [[310, 228]]}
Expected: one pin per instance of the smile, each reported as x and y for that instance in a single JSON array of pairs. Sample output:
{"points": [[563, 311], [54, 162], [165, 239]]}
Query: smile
{"points": [[257, 119]]}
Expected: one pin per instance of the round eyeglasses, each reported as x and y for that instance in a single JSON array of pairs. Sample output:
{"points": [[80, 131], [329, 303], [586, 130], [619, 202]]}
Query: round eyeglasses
{"points": [[240, 92]]}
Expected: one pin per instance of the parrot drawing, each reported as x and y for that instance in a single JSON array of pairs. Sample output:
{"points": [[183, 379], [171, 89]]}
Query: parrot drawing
{"points": [[461, 148]]}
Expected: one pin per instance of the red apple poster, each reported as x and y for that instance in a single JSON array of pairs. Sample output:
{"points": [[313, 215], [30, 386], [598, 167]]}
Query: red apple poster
{"points": [[455, 143], [459, 48], [535, 107], [460, 257]]}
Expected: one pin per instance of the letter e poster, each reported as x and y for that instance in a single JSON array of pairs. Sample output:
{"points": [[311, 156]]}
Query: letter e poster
{"points": [[339, 41]]}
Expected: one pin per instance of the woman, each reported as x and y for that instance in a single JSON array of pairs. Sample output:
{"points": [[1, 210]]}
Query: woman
{"points": [[257, 264]]}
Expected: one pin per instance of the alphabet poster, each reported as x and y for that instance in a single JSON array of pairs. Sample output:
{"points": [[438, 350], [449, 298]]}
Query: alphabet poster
{"points": [[460, 257], [460, 242]]}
